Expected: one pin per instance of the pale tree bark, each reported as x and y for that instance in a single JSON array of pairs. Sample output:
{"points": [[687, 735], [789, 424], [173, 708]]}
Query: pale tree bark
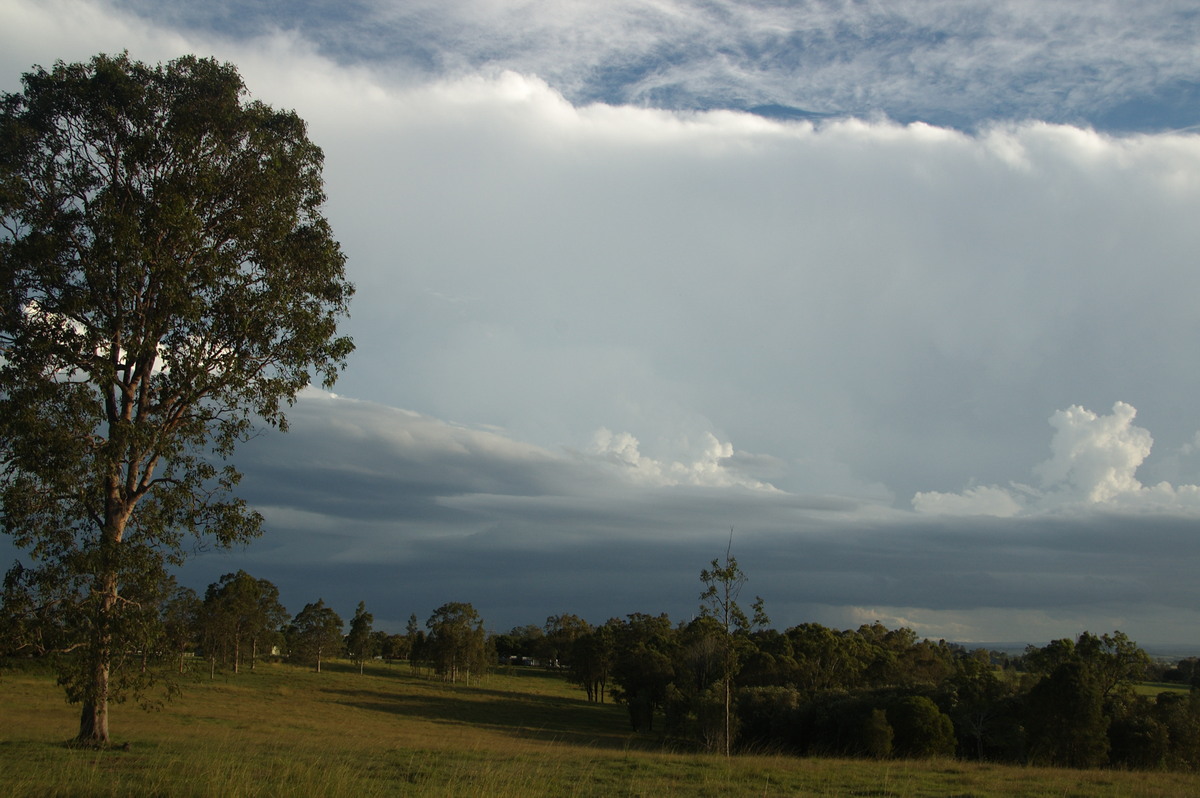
{"points": [[93, 716]]}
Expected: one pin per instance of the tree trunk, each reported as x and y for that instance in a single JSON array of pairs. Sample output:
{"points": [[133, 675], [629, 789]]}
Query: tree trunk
{"points": [[93, 724], [93, 718], [728, 696]]}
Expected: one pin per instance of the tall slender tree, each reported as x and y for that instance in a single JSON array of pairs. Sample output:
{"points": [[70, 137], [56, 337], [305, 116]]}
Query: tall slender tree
{"points": [[359, 642], [723, 585], [167, 279]]}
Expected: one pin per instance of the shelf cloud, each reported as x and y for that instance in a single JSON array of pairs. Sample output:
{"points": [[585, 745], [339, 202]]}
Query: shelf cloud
{"points": [[877, 290]]}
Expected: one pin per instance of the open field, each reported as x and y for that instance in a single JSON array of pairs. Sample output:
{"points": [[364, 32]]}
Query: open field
{"points": [[1154, 688], [288, 731]]}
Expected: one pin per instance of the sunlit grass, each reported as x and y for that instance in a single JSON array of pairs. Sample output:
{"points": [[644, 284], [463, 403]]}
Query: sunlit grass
{"points": [[287, 731], [1154, 688]]}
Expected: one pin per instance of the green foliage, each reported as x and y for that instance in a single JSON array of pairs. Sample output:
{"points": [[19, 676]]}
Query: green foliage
{"points": [[986, 712], [166, 278], [522, 642], [769, 717], [1115, 661], [239, 617], [1180, 714], [1137, 738], [921, 729], [825, 659], [718, 603], [593, 655], [558, 638], [1066, 720], [359, 643], [457, 643], [181, 618], [643, 666], [314, 634], [878, 735]]}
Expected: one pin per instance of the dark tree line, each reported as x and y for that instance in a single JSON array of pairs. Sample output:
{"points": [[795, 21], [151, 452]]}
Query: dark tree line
{"points": [[806, 690], [725, 682], [874, 691], [237, 622]]}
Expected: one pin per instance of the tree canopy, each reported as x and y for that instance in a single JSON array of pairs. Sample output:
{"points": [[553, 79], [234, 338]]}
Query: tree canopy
{"points": [[315, 634], [457, 644], [167, 281]]}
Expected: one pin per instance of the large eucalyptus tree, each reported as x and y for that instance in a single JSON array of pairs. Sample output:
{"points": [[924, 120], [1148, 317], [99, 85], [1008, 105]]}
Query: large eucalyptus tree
{"points": [[167, 282]]}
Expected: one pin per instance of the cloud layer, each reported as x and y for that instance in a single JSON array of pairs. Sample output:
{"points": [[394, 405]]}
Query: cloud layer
{"points": [[599, 325], [1131, 66], [402, 510]]}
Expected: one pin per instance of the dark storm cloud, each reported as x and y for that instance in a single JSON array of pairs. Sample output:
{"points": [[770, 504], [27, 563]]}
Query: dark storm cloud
{"points": [[523, 533]]}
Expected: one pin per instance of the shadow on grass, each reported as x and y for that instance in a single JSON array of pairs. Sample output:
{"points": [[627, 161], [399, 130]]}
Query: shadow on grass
{"points": [[536, 717]]}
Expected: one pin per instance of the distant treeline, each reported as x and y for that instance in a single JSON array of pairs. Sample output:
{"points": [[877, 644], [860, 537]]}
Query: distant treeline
{"points": [[720, 682], [881, 692]]}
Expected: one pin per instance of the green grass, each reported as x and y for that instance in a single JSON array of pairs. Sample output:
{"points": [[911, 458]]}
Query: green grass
{"points": [[286, 731], [1154, 688]]}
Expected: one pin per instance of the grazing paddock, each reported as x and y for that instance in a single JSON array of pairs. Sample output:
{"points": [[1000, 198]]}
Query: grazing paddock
{"points": [[287, 731]]}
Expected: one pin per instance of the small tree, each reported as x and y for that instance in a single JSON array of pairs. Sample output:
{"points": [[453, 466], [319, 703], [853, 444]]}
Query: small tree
{"points": [[360, 643], [592, 657], [181, 622], [561, 632], [878, 735], [1115, 661], [166, 279], [314, 634], [415, 642], [921, 729]]}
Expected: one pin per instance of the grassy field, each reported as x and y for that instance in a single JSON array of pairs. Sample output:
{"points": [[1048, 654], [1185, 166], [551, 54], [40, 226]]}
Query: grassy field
{"points": [[1154, 688], [287, 731]]}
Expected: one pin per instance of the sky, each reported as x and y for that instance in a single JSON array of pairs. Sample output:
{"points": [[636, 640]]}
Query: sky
{"points": [[903, 295]]}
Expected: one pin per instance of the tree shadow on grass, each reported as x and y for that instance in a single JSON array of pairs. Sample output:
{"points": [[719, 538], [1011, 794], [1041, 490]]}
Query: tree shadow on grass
{"points": [[545, 718]]}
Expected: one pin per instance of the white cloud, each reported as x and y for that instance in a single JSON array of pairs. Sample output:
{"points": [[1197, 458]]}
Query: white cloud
{"points": [[44, 31], [1094, 460], [713, 465], [872, 309], [981, 500]]}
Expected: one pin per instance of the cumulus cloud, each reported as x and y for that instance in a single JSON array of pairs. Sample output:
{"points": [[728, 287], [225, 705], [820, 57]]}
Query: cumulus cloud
{"points": [[980, 500], [1094, 457], [1094, 460], [714, 465]]}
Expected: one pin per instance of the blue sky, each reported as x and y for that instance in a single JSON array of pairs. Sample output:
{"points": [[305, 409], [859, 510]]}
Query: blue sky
{"points": [[921, 329]]}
